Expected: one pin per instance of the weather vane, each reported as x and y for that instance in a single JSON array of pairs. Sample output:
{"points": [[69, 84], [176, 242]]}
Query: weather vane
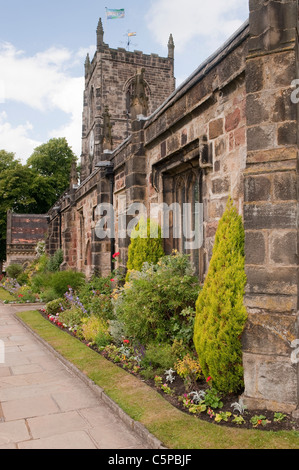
{"points": [[129, 35]]}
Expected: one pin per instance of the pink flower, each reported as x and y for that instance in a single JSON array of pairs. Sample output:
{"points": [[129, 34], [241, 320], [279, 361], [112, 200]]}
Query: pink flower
{"points": [[112, 280]]}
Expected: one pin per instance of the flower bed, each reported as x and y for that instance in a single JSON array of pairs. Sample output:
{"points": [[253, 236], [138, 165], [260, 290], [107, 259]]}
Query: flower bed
{"points": [[190, 394], [145, 325]]}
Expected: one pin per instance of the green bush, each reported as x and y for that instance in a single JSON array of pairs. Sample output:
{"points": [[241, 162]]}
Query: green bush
{"points": [[117, 332], [95, 296], [54, 306], [41, 265], [55, 261], [40, 282], [143, 248], [60, 281], [94, 327], [71, 317], [14, 270], [158, 357], [103, 339], [220, 312], [152, 305], [23, 279], [48, 294]]}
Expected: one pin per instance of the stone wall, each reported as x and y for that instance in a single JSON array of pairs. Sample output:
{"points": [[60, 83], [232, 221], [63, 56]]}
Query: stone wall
{"points": [[270, 207], [208, 110]]}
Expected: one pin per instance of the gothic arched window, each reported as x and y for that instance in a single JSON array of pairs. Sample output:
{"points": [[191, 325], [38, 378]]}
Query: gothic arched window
{"points": [[186, 230]]}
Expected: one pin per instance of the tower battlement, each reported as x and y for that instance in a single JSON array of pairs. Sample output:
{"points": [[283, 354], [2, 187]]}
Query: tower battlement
{"points": [[109, 84]]}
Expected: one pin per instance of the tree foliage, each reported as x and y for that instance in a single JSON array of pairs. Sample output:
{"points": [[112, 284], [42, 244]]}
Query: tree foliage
{"points": [[52, 162], [220, 312]]}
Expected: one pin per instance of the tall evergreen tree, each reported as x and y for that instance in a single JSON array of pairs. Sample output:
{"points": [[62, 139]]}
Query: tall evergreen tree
{"points": [[220, 311]]}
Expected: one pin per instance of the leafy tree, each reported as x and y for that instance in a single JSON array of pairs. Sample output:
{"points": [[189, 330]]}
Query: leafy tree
{"points": [[7, 160], [53, 162], [8, 164], [220, 312]]}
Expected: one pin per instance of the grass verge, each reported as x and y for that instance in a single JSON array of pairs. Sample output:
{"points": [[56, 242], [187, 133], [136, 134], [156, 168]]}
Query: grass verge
{"points": [[5, 295], [175, 429]]}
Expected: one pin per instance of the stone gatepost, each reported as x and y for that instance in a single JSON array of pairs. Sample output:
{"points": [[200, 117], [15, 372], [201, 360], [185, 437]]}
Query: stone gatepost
{"points": [[270, 208]]}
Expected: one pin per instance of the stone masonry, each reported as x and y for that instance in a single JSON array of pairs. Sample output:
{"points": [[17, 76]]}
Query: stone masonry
{"points": [[270, 207]]}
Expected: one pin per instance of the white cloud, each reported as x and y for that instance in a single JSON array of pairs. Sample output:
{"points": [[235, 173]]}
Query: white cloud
{"points": [[70, 99], [207, 19], [44, 83], [16, 139]]}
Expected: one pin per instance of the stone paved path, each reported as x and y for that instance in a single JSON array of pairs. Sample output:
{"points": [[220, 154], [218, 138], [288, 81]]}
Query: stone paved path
{"points": [[44, 405]]}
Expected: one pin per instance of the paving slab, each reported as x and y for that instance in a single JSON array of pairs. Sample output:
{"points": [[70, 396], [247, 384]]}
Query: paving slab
{"points": [[46, 404]]}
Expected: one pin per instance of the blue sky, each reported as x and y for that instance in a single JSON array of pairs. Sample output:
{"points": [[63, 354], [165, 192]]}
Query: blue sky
{"points": [[43, 46]]}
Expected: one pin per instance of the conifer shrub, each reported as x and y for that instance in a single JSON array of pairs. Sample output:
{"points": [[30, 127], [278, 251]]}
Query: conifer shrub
{"points": [[144, 247], [220, 312]]}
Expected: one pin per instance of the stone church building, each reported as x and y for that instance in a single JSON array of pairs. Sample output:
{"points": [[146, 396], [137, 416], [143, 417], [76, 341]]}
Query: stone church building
{"points": [[231, 128]]}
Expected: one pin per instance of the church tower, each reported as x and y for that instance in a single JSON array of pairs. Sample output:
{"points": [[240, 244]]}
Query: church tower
{"points": [[110, 82]]}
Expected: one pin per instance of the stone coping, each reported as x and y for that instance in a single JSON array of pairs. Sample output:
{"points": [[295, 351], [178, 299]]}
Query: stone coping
{"points": [[27, 304]]}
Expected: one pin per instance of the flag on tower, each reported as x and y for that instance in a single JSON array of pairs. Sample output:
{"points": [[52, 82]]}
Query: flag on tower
{"points": [[112, 14]]}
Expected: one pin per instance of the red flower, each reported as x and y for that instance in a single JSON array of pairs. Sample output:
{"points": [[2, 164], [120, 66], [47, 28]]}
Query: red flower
{"points": [[209, 378], [112, 280], [126, 341], [20, 295], [116, 254]]}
